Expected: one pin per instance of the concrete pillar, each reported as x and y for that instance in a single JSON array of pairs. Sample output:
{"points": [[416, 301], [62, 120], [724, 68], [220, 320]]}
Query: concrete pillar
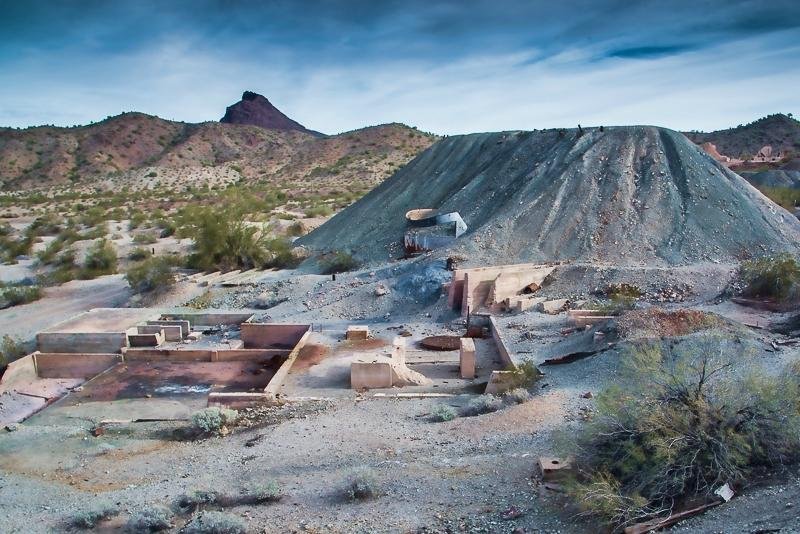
{"points": [[467, 358], [357, 332], [399, 350]]}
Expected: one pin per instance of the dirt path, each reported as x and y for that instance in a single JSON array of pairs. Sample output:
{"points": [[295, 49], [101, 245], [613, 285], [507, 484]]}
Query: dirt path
{"points": [[61, 303]]}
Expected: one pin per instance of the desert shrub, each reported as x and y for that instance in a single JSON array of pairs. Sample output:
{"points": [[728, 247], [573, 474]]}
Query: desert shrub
{"points": [[48, 255], [139, 254], [168, 228], [682, 422], [482, 404], [281, 256], [775, 277], [191, 501], [90, 518], [101, 258], [655, 322], [201, 302], [517, 396], [362, 485], [145, 238], [338, 262], [524, 375], [213, 420], [295, 229], [223, 241], [10, 350], [95, 232], [621, 297], [444, 412], [215, 523], [151, 275], [136, 219], [259, 493], [321, 210], [153, 519], [14, 295]]}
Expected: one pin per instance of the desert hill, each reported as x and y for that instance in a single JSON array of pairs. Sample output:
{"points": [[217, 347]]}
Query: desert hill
{"points": [[626, 195], [256, 110], [123, 149], [779, 131]]}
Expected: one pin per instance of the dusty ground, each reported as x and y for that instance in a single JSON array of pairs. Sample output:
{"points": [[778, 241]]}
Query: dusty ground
{"points": [[472, 474]]}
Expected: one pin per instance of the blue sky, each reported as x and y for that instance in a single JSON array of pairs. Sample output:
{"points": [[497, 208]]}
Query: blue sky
{"points": [[445, 66]]}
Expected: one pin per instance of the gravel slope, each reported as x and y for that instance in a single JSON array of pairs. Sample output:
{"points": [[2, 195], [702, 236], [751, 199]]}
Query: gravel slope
{"points": [[628, 195]]}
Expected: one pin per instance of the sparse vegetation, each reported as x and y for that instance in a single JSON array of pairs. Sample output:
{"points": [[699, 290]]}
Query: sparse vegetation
{"points": [[153, 275], [260, 493], [101, 259], [773, 277], [16, 294], [481, 405], [338, 262], [681, 423], [524, 375], [139, 254], [215, 523], [363, 485], [91, 517], [517, 396], [10, 350], [655, 322], [444, 412], [191, 501], [214, 420], [155, 518]]}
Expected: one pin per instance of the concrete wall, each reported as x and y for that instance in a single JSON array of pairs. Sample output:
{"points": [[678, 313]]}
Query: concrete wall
{"points": [[209, 318], [276, 383], [81, 343], [471, 287], [202, 355], [505, 355], [272, 336], [70, 365], [185, 325]]}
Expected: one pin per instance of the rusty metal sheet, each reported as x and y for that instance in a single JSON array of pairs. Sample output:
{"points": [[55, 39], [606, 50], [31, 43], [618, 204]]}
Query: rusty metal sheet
{"points": [[441, 342]]}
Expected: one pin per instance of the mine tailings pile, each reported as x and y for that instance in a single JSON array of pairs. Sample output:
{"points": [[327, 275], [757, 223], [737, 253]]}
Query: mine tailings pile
{"points": [[625, 195]]}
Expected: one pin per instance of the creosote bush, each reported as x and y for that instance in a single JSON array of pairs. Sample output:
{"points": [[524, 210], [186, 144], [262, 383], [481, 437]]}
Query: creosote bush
{"points": [[363, 485], [338, 262], [684, 421], [156, 518], [259, 493], [215, 523], [482, 404], [444, 412], [524, 375], [213, 420], [517, 396], [101, 259], [151, 275], [91, 517], [191, 501], [774, 277]]}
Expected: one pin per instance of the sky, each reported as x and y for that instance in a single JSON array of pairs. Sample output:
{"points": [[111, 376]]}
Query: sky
{"points": [[448, 67]]}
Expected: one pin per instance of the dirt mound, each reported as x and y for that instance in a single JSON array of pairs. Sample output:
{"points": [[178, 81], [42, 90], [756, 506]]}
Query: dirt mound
{"points": [[626, 195]]}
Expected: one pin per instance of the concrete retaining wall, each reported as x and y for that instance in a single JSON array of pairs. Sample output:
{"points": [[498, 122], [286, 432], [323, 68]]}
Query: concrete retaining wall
{"points": [[81, 343], [272, 336], [70, 365], [203, 355], [209, 318]]}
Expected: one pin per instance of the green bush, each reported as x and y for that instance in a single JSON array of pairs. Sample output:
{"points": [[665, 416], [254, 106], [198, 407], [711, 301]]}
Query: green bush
{"points": [[443, 413], [524, 375], [682, 422], [260, 493], [280, 254], [213, 420], [338, 262], [215, 523], [101, 259], [223, 241], [774, 277], [17, 294], [154, 519], [151, 275]]}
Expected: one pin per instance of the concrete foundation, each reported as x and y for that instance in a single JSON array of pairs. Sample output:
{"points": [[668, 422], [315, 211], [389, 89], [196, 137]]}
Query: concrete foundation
{"points": [[488, 288]]}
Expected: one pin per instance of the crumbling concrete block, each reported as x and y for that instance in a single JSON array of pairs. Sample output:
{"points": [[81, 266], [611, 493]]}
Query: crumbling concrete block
{"points": [[553, 469], [467, 358], [145, 340], [370, 375], [357, 332], [553, 307]]}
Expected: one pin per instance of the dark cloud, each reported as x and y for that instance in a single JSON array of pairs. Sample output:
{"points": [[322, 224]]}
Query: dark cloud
{"points": [[647, 52]]}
